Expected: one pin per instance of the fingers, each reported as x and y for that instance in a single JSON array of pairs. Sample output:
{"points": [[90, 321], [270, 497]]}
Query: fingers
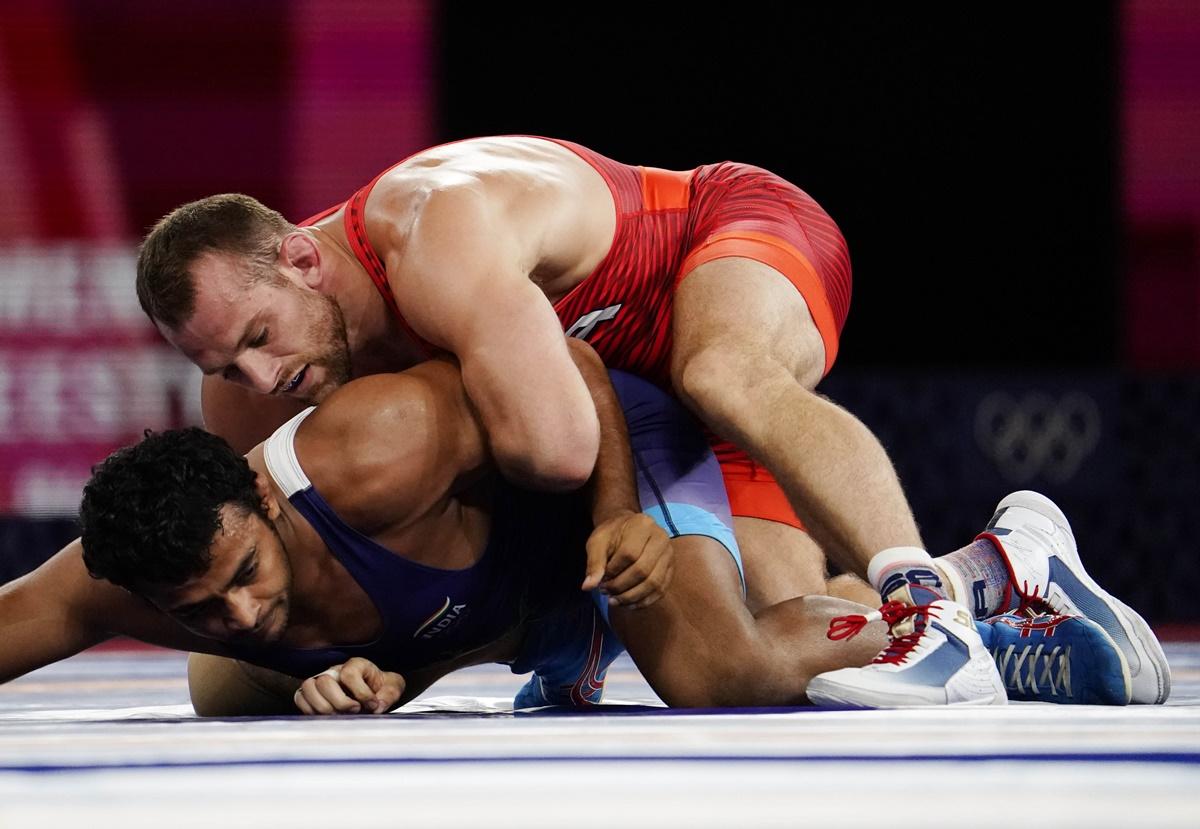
{"points": [[626, 552], [598, 545], [632, 566], [632, 556], [645, 591], [355, 687], [354, 681], [323, 694], [386, 689], [640, 536]]}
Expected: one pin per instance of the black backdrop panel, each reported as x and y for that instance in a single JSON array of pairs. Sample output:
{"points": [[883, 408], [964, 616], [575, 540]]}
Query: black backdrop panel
{"points": [[967, 152]]}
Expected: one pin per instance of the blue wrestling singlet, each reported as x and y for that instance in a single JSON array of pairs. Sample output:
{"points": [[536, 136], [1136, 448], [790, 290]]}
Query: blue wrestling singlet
{"points": [[529, 573], [533, 561]]}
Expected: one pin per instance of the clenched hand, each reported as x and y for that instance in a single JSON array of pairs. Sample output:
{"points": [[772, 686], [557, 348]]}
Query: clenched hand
{"points": [[629, 557], [355, 687]]}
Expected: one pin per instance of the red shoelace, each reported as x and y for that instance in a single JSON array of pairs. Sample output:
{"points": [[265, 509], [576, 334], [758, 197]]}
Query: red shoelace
{"points": [[847, 627]]}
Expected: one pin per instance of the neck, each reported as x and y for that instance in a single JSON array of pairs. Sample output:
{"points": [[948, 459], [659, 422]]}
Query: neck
{"points": [[376, 343]]}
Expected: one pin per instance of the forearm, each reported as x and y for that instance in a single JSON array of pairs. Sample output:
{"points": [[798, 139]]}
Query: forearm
{"points": [[539, 418], [613, 483]]}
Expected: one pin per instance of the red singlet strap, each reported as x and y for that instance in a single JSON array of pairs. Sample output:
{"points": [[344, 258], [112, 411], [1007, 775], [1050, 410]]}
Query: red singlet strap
{"points": [[356, 233]]}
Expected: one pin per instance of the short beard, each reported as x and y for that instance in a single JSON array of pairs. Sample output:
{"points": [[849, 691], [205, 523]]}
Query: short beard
{"points": [[328, 326]]}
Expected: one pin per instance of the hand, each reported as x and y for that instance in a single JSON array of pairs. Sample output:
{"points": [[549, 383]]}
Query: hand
{"points": [[629, 557], [357, 686]]}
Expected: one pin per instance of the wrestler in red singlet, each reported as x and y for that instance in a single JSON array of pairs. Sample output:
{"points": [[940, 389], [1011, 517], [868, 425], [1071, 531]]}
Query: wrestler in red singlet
{"points": [[668, 223]]}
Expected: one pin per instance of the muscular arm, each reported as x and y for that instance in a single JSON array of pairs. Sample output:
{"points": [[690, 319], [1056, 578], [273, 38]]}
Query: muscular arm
{"points": [[389, 448], [392, 445], [461, 281], [59, 610], [628, 555], [613, 485]]}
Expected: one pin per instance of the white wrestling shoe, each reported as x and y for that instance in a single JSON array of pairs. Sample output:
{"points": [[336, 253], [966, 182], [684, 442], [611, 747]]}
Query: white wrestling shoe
{"points": [[936, 657], [1036, 541]]}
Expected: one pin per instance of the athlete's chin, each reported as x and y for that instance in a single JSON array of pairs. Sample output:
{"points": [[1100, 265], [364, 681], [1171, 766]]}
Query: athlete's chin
{"points": [[322, 387], [269, 631], [275, 626], [319, 393]]}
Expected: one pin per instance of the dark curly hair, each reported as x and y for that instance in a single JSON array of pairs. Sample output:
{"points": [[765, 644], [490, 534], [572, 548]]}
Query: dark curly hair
{"points": [[150, 511]]}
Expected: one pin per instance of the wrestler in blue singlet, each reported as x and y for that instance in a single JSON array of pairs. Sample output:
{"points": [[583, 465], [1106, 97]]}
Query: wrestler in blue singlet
{"points": [[528, 574]]}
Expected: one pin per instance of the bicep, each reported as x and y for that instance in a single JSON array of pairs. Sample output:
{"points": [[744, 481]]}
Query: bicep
{"points": [[464, 282]]}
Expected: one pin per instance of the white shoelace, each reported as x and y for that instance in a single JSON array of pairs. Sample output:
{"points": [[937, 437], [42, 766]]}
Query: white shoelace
{"points": [[1027, 673]]}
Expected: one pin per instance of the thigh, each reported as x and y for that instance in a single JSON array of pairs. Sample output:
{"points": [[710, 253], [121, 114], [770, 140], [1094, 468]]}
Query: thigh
{"points": [[767, 268], [751, 318], [682, 642], [853, 589]]}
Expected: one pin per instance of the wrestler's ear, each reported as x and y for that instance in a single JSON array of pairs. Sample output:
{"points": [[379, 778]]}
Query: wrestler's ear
{"points": [[266, 496], [300, 256]]}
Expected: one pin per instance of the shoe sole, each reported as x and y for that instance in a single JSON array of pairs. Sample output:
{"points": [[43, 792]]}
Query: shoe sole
{"points": [[825, 692], [1123, 624]]}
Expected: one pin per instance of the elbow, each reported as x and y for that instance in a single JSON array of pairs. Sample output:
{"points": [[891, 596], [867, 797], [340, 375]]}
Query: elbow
{"points": [[554, 463]]}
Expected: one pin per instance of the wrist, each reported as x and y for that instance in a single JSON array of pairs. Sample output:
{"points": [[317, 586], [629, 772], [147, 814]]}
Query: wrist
{"points": [[605, 514]]}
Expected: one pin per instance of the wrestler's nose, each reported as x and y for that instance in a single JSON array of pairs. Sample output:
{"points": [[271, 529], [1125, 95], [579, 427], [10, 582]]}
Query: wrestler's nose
{"points": [[260, 371], [241, 610]]}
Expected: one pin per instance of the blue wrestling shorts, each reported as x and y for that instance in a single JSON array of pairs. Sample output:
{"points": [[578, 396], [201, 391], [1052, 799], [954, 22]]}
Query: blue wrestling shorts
{"points": [[681, 488]]}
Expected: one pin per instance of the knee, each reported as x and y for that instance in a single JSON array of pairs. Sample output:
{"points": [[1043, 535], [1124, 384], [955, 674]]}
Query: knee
{"points": [[723, 381], [852, 588], [714, 686]]}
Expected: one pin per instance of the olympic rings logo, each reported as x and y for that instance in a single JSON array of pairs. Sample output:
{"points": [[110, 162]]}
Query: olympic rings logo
{"points": [[1037, 434]]}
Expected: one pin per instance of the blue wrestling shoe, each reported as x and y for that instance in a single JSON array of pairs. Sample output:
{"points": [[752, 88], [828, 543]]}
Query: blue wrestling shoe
{"points": [[1038, 546], [569, 653], [1067, 660], [936, 657]]}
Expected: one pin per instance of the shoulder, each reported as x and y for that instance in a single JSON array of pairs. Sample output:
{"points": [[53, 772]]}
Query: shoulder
{"points": [[391, 445], [356, 411], [472, 189]]}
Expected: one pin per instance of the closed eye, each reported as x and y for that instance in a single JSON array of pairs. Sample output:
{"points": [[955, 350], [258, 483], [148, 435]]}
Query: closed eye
{"points": [[261, 339], [247, 575]]}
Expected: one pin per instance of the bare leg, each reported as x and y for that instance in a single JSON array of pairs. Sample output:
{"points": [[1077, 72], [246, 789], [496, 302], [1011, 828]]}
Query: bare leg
{"points": [[747, 356], [700, 646], [781, 562], [852, 589]]}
